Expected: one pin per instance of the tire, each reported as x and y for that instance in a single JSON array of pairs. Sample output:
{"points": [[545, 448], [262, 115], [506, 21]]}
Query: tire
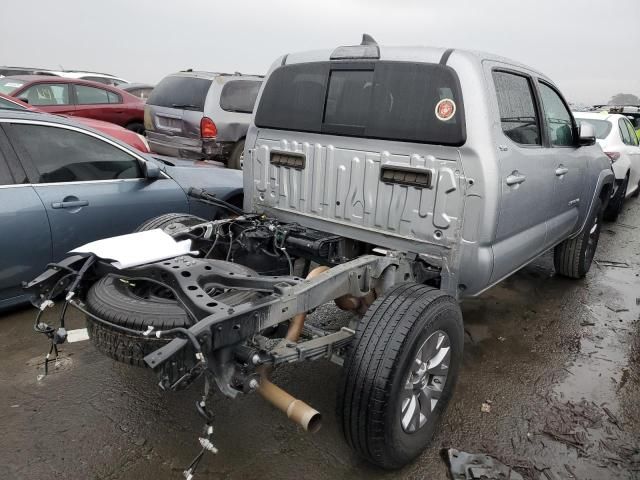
{"points": [[573, 257], [138, 308], [170, 221], [373, 402], [616, 203], [137, 127], [235, 160]]}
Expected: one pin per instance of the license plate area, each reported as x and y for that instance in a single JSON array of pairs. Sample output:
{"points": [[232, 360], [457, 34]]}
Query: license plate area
{"points": [[170, 123]]}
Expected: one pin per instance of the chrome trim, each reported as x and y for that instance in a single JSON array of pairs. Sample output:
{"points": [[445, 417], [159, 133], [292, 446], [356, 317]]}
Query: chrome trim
{"points": [[16, 185]]}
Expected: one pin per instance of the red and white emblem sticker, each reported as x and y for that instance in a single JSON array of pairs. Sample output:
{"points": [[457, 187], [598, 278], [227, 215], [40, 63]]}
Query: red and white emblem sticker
{"points": [[445, 109]]}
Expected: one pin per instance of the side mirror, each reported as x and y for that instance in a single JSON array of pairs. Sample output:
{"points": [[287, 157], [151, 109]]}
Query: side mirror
{"points": [[587, 134], [151, 170]]}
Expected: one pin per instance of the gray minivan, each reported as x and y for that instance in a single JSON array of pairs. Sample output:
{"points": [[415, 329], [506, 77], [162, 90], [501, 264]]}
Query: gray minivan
{"points": [[201, 115]]}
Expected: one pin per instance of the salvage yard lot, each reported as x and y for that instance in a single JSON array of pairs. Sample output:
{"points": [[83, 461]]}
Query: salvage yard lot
{"points": [[555, 361]]}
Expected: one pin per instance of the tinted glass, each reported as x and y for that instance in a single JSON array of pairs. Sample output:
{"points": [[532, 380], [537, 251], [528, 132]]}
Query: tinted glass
{"points": [[518, 114], [142, 92], [187, 93], [8, 85], [388, 100], [632, 133], [46, 94], [624, 133], [5, 175], [558, 117], [404, 102], [602, 127], [349, 97], [293, 98], [61, 155], [91, 95], [8, 105], [239, 95]]}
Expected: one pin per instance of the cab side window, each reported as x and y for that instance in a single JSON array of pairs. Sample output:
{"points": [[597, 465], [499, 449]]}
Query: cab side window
{"points": [[627, 133], [94, 96], [518, 113], [46, 94], [62, 155], [559, 120]]}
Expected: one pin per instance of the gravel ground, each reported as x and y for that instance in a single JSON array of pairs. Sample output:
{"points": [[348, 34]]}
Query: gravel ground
{"points": [[557, 361]]}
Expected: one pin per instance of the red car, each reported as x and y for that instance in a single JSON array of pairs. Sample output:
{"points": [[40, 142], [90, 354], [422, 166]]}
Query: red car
{"points": [[78, 98], [136, 140]]}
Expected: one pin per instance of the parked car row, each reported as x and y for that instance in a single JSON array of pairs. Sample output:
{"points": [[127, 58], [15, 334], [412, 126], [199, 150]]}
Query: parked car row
{"points": [[201, 115], [82, 98], [619, 141], [137, 141], [63, 184]]}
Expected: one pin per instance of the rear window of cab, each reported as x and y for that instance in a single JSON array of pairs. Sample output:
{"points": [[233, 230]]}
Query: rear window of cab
{"points": [[413, 102]]}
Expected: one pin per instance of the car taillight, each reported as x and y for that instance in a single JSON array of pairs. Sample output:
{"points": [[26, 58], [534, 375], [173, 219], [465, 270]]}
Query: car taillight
{"points": [[208, 129], [613, 156]]}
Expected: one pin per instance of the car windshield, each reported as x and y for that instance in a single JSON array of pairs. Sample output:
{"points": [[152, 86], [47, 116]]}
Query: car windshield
{"points": [[8, 85], [9, 105], [602, 127], [188, 93], [414, 102]]}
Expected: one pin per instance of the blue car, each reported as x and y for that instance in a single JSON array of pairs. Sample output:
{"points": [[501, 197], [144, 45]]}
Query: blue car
{"points": [[63, 185]]}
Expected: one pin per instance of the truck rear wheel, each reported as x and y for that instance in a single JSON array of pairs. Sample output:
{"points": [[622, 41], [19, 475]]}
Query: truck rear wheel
{"points": [[573, 257], [400, 373]]}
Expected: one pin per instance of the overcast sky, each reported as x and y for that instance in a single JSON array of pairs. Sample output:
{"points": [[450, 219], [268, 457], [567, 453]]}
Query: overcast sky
{"points": [[590, 48]]}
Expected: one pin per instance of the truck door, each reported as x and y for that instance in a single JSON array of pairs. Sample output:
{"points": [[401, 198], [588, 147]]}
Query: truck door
{"points": [[567, 163], [525, 172]]}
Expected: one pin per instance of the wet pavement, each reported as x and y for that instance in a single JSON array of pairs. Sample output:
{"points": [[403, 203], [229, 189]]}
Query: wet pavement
{"points": [[556, 363]]}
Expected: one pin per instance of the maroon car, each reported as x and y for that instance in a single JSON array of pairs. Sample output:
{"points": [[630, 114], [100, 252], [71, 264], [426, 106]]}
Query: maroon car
{"points": [[81, 98]]}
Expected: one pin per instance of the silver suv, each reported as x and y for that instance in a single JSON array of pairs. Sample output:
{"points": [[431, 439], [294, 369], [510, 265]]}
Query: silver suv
{"points": [[201, 115], [392, 181]]}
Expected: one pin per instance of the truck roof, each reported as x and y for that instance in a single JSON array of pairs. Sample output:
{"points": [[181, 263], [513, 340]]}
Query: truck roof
{"points": [[422, 54]]}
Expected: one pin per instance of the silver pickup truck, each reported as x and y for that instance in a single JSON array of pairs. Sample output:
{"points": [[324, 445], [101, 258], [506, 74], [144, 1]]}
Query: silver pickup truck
{"points": [[393, 181]]}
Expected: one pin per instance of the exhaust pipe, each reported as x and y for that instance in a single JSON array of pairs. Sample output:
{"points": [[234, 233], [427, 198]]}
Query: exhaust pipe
{"points": [[298, 411], [295, 326]]}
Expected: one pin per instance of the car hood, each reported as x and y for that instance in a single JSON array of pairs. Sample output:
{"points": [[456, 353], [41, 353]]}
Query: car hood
{"points": [[224, 182]]}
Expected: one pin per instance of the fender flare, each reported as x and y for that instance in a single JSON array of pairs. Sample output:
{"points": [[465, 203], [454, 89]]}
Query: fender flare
{"points": [[606, 180]]}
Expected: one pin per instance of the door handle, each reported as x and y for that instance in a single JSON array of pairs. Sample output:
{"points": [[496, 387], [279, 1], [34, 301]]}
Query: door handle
{"points": [[561, 171], [515, 178], [72, 204]]}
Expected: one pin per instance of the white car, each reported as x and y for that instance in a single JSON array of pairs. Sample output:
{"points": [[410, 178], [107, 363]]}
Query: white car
{"points": [[619, 141], [105, 78]]}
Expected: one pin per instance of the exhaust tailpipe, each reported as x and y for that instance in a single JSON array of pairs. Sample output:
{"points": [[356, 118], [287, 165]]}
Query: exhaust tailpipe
{"points": [[298, 411]]}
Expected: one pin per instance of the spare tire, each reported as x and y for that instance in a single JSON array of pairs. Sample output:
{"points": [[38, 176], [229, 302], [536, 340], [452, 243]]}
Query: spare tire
{"points": [[170, 221], [139, 305]]}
